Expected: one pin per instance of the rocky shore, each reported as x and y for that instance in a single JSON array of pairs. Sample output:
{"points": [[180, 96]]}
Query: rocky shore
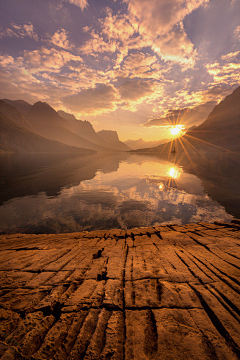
{"points": [[166, 292]]}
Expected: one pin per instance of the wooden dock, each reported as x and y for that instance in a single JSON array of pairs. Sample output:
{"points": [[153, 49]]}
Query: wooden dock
{"points": [[164, 293]]}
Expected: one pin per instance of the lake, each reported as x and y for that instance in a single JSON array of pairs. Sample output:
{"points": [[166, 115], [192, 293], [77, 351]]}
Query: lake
{"points": [[51, 195]]}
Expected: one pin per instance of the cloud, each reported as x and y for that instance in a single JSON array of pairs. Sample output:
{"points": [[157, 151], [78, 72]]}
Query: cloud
{"points": [[135, 90], [60, 39], [118, 27], [20, 31], [161, 23], [81, 3], [158, 17], [140, 64], [237, 31], [117, 34], [231, 55], [185, 116], [226, 70], [175, 46], [98, 45], [6, 61], [102, 99], [45, 59]]}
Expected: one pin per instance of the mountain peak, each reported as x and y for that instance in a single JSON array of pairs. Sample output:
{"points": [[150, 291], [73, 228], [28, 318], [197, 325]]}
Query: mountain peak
{"points": [[111, 137], [43, 106], [21, 105], [66, 115]]}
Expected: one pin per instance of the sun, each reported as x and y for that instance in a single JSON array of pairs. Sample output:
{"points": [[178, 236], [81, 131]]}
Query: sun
{"points": [[175, 130]]}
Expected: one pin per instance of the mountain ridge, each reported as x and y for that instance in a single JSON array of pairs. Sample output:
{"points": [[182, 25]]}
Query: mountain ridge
{"points": [[49, 124], [60, 126], [16, 138]]}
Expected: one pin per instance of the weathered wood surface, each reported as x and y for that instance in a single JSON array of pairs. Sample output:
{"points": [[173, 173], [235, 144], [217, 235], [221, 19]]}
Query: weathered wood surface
{"points": [[169, 292]]}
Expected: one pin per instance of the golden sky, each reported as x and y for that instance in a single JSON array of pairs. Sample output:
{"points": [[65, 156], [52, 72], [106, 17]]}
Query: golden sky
{"points": [[130, 66]]}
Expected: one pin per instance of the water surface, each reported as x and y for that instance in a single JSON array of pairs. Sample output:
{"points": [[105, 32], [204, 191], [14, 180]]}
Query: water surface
{"points": [[43, 195]]}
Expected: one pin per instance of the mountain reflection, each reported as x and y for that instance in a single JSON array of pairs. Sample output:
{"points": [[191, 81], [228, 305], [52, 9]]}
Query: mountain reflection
{"points": [[31, 174], [51, 195]]}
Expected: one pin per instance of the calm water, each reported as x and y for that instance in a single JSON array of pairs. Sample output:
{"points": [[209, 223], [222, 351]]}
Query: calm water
{"points": [[101, 192]]}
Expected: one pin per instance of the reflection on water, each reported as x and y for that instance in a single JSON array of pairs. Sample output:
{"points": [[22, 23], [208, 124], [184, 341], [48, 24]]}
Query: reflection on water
{"points": [[175, 173], [101, 192]]}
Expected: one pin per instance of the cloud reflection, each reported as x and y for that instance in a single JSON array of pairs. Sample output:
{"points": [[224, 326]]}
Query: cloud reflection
{"points": [[137, 194]]}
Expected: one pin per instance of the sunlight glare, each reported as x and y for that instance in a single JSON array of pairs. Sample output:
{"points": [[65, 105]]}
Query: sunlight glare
{"points": [[174, 173], [175, 130], [161, 186]]}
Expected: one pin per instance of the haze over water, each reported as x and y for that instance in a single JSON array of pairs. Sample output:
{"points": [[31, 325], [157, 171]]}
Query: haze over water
{"points": [[121, 191]]}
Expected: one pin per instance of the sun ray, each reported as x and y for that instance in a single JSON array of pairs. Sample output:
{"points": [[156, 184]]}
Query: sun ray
{"points": [[211, 144], [186, 152]]}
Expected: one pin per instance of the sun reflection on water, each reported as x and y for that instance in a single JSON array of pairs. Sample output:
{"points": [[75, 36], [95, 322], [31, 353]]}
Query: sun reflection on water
{"points": [[161, 186], [174, 173]]}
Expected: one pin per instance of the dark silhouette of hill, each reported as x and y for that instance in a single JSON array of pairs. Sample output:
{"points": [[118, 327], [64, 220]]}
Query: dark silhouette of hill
{"points": [[111, 137], [84, 129], [222, 127], [60, 126], [14, 114], [16, 138], [22, 106], [47, 122]]}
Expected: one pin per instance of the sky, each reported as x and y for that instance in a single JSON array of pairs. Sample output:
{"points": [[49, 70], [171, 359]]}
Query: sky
{"points": [[133, 66]]}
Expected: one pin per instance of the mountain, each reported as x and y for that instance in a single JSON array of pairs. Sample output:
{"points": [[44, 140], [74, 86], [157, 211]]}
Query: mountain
{"points": [[141, 144], [22, 106], [220, 131], [222, 127], [83, 129], [60, 126], [11, 112], [16, 138], [111, 137], [47, 122]]}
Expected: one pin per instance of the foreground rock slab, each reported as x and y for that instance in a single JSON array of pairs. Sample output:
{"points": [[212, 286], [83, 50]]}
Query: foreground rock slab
{"points": [[166, 292]]}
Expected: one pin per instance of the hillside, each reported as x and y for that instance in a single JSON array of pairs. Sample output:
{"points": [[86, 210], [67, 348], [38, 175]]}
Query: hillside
{"points": [[49, 124], [83, 129], [222, 127], [22, 106], [60, 126], [14, 114], [16, 138]]}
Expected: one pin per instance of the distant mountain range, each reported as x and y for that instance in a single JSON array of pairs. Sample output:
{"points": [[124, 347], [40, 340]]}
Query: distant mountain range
{"points": [[39, 128], [141, 144], [220, 131]]}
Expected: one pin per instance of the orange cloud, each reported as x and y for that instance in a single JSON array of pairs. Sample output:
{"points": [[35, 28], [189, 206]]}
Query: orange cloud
{"points": [[160, 22], [98, 45], [118, 27], [48, 59], [60, 39], [158, 17], [20, 31], [81, 3]]}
